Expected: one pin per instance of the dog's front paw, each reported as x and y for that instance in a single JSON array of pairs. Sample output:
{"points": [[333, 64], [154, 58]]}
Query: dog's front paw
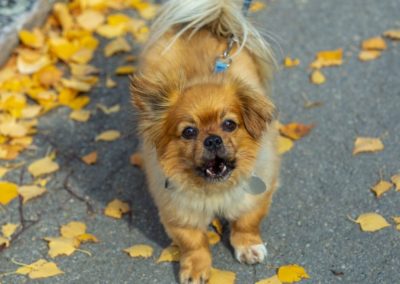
{"points": [[251, 254], [195, 267]]}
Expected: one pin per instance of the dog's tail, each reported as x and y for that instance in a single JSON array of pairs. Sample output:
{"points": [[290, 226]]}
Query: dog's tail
{"points": [[224, 17]]}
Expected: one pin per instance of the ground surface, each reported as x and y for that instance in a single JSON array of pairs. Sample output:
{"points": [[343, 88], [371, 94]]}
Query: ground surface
{"points": [[322, 182]]}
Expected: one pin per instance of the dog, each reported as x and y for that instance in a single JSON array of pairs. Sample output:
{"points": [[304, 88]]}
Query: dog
{"points": [[209, 137]]}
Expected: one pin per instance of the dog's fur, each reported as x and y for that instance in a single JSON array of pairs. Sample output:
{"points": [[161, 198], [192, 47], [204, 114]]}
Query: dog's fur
{"points": [[175, 88]]}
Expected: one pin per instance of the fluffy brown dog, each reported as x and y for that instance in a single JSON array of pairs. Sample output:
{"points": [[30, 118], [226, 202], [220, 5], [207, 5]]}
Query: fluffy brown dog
{"points": [[209, 140]]}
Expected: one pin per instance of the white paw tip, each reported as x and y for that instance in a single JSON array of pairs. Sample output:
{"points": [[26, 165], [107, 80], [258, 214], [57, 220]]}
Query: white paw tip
{"points": [[251, 254]]}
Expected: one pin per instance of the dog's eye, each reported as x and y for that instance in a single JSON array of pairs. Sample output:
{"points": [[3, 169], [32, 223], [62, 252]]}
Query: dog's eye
{"points": [[229, 125], [189, 133]]}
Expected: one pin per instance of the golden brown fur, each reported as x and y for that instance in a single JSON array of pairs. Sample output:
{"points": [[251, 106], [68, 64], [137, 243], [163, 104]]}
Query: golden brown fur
{"points": [[175, 89]]}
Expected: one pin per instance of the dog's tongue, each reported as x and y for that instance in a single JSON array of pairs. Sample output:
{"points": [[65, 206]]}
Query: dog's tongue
{"points": [[215, 168]]}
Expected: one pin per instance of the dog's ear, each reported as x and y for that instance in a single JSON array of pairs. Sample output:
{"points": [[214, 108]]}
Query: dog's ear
{"points": [[257, 111]]}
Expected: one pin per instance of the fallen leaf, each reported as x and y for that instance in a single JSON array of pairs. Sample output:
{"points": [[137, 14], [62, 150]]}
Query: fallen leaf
{"points": [[271, 280], [72, 229], [90, 20], [34, 39], [136, 160], [169, 254], [43, 166], [216, 223], [328, 58], [12, 128], [90, 158], [116, 208], [40, 269], [396, 180], [381, 187], [367, 144], [9, 229], [371, 222], [62, 246], [8, 191], [76, 84], [392, 34], [213, 238], [125, 70], [292, 273], [109, 135], [221, 277], [29, 192], [80, 115], [109, 31], [117, 45], [81, 70], [84, 238], [396, 219], [109, 110], [289, 62], [368, 55], [375, 43], [295, 130], [110, 83], [63, 16], [144, 251], [4, 242], [3, 171], [284, 145], [26, 67], [257, 6], [317, 77]]}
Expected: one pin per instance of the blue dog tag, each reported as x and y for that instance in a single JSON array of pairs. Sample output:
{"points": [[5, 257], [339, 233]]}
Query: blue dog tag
{"points": [[221, 65]]}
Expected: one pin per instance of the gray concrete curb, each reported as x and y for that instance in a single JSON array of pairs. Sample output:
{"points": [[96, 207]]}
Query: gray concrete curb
{"points": [[25, 14]]}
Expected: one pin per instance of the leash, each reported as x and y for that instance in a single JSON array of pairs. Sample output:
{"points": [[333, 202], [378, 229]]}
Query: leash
{"points": [[224, 61]]}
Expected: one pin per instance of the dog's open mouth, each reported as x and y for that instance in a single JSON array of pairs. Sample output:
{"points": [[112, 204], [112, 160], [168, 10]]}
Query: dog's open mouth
{"points": [[217, 169]]}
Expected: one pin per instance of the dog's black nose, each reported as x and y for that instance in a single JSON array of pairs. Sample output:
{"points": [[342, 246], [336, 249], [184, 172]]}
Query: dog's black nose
{"points": [[213, 142]]}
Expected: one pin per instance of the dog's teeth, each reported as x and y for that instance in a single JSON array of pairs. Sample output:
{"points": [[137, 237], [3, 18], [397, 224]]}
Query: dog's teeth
{"points": [[209, 172]]}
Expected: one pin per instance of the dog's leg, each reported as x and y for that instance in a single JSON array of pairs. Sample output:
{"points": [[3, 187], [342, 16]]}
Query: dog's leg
{"points": [[195, 262], [245, 233]]}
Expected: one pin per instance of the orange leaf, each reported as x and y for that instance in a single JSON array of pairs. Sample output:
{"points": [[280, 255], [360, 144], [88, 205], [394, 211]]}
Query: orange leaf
{"points": [[90, 158], [328, 58], [392, 34], [295, 130], [375, 43], [136, 160], [292, 273], [289, 62]]}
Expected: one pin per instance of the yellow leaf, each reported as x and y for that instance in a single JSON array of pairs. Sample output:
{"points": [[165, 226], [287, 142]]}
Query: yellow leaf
{"points": [[328, 58], [396, 219], [3, 171], [118, 19], [213, 237], [371, 222], [31, 111], [63, 16], [40, 269], [392, 34], [25, 67], [117, 45], [125, 70], [110, 83], [79, 102], [72, 229], [292, 273], [221, 277], [396, 180], [9, 229], [148, 12], [84, 238], [61, 246], [109, 110], [80, 70], [375, 43], [284, 144], [257, 6], [90, 158], [76, 84], [170, 254], [8, 191], [43, 166], [116, 208], [82, 56], [367, 144], [381, 187], [144, 251], [12, 128], [295, 130], [216, 223], [62, 48], [271, 280], [90, 20], [109, 31], [33, 39], [317, 77], [368, 55], [80, 115], [4, 242], [109, 135], [29, 192], [289, 62]]}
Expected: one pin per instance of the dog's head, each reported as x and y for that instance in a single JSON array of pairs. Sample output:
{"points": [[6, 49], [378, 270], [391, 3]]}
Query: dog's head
{"points": [[207, 132]]}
